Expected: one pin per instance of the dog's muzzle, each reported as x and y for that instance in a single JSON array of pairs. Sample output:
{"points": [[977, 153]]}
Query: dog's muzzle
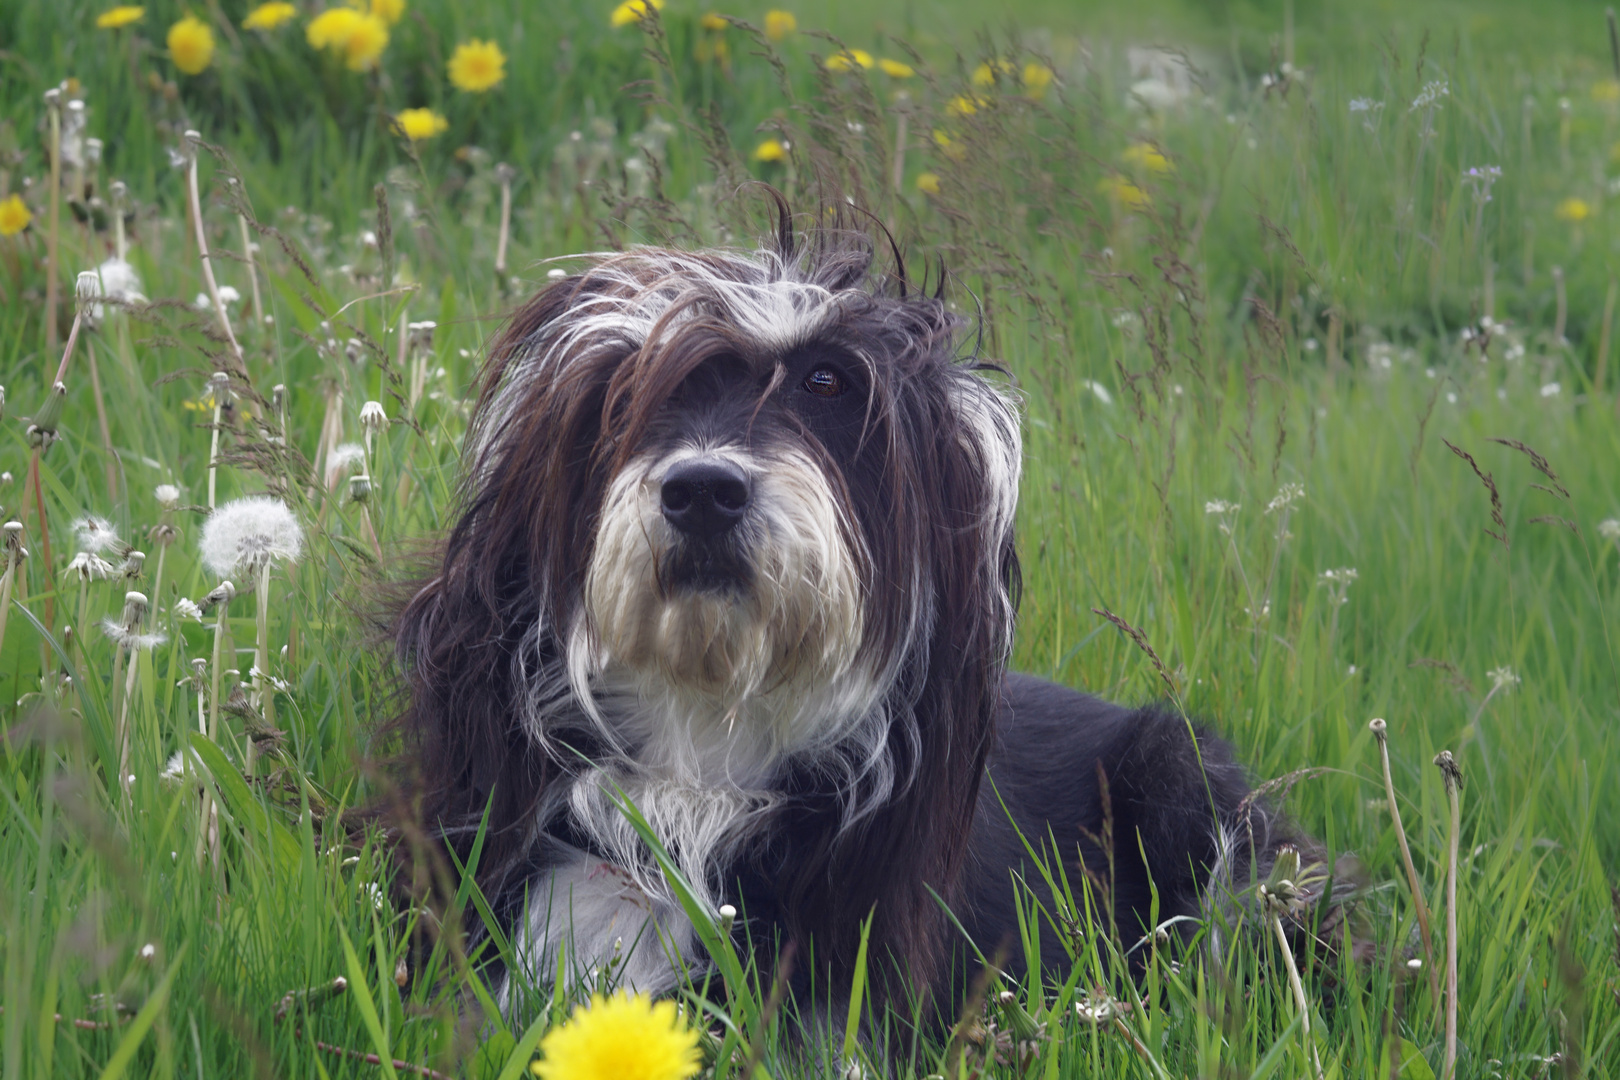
{"points": [[704, 498]]}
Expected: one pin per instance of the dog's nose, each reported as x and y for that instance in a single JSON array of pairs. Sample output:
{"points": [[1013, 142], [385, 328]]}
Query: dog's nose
{"points": [[704, 499]]}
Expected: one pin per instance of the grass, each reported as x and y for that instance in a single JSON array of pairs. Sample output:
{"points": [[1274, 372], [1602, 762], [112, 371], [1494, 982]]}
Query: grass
{"points": [[1283, 305]]}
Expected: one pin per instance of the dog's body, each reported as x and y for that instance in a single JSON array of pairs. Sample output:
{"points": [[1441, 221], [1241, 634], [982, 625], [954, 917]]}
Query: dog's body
{"points": [[737, 546]]}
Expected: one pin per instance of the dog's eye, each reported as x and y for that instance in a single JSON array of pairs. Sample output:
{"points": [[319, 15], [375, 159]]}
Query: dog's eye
{"points": [[824, 382]]}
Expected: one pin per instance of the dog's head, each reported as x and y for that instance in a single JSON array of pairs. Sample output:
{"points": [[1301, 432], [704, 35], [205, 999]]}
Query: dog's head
{"points": [[734, 514]]}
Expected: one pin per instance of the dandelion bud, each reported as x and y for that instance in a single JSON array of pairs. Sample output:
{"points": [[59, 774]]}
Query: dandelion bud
{"points": [[119, 192], [372, 417], [6, 478], [53, 98], [223, 593], [421, 334], [402, 974], [42, 432], [86, 290], [355, 351], [14, 532], [360, 488], [133, 563], [168, 496], [135, 605], [199, 666], [192, 138], [278, 396], [728, 918], [1377, 726]]}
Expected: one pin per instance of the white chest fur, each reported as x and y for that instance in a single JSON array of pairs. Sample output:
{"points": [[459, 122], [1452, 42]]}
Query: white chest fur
{"points": [[596, 918]]}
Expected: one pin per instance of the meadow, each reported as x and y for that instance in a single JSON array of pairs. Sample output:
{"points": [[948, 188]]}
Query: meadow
{"points": [[1312, 317]]}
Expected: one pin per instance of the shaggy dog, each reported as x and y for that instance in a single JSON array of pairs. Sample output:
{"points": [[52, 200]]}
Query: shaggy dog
{"points": [[736, 544]]}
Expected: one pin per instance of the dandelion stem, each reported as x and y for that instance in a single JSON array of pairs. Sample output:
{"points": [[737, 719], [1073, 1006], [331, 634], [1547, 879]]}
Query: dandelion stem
{"points": [[44, 539], [1453, 778], [111, 462], [6, 583], [1381, 733], [124, 739], [504, 172], [213, 456], [53, 108], [253, 275], [261, 661], [1300, 1000], [193, 141]]}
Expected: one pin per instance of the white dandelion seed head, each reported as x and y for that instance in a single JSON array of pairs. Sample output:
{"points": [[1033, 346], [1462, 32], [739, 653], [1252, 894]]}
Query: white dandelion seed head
{"points": [[372, 416], [186, 609], [114, 280], [1609, 529], [1286, 496], [1502, 678], [182, 766], [246, 533], [130, 639], [96, 535], [88, 566], [168, 496], [227, 296], [341, 459]]}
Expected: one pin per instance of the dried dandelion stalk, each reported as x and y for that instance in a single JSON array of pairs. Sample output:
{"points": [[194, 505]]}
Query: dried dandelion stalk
{"points": [[1380, 732], [1453, 778], [193, 143]]}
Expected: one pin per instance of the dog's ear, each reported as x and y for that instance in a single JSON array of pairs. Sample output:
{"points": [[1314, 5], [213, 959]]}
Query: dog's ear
{"points": [[937, 515]]}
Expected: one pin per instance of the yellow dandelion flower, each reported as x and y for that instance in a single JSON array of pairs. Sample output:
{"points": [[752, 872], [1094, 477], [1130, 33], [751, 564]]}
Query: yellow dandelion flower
{"points": [[928, 183], [1606, 92], [1125, 192], [965, 104], [1573, 210], [779, 24], [389, 11], [191, 45], [985, 74], [122, 15], [269, 16], [894, 69], [1147, 156], [1037, 80], [771, 150], [419, 124], [476, 66], [948, 145], [620, 1038], [359, 36], [849, 60], [714, 21], [633, 11], [712, 48], [14, 216]]}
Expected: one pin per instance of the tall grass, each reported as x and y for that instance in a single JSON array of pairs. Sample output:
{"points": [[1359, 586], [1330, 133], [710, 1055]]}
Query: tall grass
{"points": [[1201, 303]]}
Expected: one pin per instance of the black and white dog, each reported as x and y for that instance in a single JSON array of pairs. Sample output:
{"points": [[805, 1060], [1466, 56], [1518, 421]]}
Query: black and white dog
{"points": [[736, 540]]}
